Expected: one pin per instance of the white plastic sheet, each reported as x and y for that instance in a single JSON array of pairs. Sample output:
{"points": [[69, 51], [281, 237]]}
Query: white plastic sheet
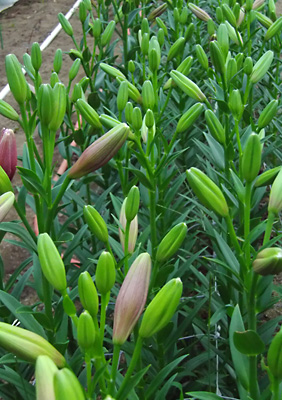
{"points": [[6, 4]]}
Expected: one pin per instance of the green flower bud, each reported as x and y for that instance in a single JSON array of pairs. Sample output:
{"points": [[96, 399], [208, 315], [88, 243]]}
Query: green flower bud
{"points": [[108, 122], [133, 229], [58, 60], [249, 5], [74, 69], [223, 40], [161, 37], [150, 120], [154, 60], [157, 12], [185, 66], [267, 177], [251, 160], [248, 66], [105, 276], [274, 29], [176, 15], [233, 35], [274, 356], [133, 92], [36, 56], [88, 5], [132, 203], [145, 44], [112, 71], [217, 57], [88, 294], [122, 96], [136, 118], [82, 12], [145, 28], [59, 106], [51, 262], [237, 11], [162, 26], [96, 223], [183, 16], [268, 114], [228, 13], [88, 113], [45, 370], [154, 45], [6, 203], [108, 33], [239, 60], [235, 104], [128, 112], [219, 14], [84, 83], [275, 198], [74, 54], [189, 117], [28, 345], [207, 192], [85, 331], [65, 24], [54, 79], [131, 66], [97, 28], [268, 261], [28, 64], [188, 87], [45, 104], [261, 67], [202, 57], [215, 127], [176, 48], [16, 79], [263, 19], [161, 309], [5, 183], [7, 111], [231, 69], [67, 386], [171, 242], [148, 95], [77, 93], [131, 298], [189, 32], [211, 27], [199, 12]]}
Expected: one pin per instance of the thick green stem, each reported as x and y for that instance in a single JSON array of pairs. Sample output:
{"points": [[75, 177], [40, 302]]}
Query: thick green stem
{"points": [[126, 240], [104, 303], [239, 147], [114, 368], [48, 304], [89, 375], [275, 389], [247, 212], [152, 195]]}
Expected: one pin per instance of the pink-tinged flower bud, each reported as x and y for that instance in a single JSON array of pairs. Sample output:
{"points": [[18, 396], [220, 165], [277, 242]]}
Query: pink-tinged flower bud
{"points": [[8, 152], [133, 230], [100, 152], [45, 370], [199, 12], [6, 203], [131, 298]]}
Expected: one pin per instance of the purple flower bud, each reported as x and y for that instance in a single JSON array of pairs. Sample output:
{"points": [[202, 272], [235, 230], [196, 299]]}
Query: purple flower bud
{"points": [[8, 152]]}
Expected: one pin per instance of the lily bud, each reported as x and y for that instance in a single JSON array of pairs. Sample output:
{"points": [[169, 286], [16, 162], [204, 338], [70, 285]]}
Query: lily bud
{"points": [[233, 35], [189, 32], [16, 79], [85, 331], [28, 345], [251, 160], [274, 29], [132, 203], [145, 28], [207, 192], [58, 61], [231, 69], [189, 117], [267, 114], [217, 57], [267, 177], [97, 28], [148, 95], [67, 386], [45, 370], [65, 24], [133, 229], [136, 118], [133, 92], [108, 122], [157, 12], [131, 66], [215, 127], [274, 356], [131, 298], [263, 19], [229, 15], [211, 27], [108, 33], [74, 69], [7, 111], [112, 71], [82, 12], [161, 309], [100, 152], [275, 198], [128, 112], [257, 4], [88, 294], [171, 242], [96, 223], [154, 60], [145, 39], [248, 65], [105, 276], [59, 106], [45, 104], [6, 203], [161, 37], [235, 104], [150, 121], [5, 183], [8, 152], [188, 87], [183, 16], [54, 79], [261, 67], [202, 57], [176, 48], [199, 12], [36, 56], [222, 41], [268, 261], [122, 96], [162, 26], [51, 262]]}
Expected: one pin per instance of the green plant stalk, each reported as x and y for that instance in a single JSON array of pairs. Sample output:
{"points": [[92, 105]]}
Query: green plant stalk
{"points": [[233, 237], [154, 275], [86, 70], [104, 303], [152, 195], [125, 43], [247, 212], [48, 306], [131, 367], [275, 389], [239, 146], [126, 240], [165, 104], [249, 33], [268, 229], [115, 362], [88, 374]]}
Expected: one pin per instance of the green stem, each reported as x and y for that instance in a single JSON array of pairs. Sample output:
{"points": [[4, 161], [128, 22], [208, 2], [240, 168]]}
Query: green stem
{"points": [[152, 195], [239, 147], [233, 236], [126, 240], [268, 229], [275, 389], [114, 368], [247, 212], [89, 375], [104, 303], [48, 304]]}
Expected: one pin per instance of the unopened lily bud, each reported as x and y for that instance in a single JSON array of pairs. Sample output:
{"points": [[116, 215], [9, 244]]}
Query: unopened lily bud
{"points": [[132, 203], [240, 16], [268, 261], [150, 120], [261, 67], [176, 48], [185, 66], [7, 111], [188, 86], [136, 118], [231, 69], [272, 10], [275, 197], [267, 114], [59, 106], [219, 14], [267, 177], [215, 127], [131, 66], [58, 60], [207, 192], [131, 298], [217, 57], [228, 13], [133, 92], [199, 12], [263, 19], [251, 160], [133, 229], [274, 356], [145, 43], [122, 96], [274, 29], [235, 104], [51, 262], [183, 16], [239, 60], [74, 54], [28, 64], [85, 331], [108, 122], [54, 79], [82, 12], [112, 71], [45, 370], [108, 33], [148, 95], [248, 66], [77, 93], [88, 5], [45, 104], [96, 223], [157, 12], [145, 28], [189, 32], [176, 15], [88, 113], [257, 4], [223, 40], [97, 28], [233, 35], [128, 112], [211, 27], [67, 386], [88, 294], [5, 183], [154, 60], [161, 37], [105, 276], [8, 152], [36, 56], [202, 57], [189, 117], [16, 79], [171, 242], [28, 345], [74, 69], [6, 203], [161, 309], [65, 24], [249, 5]]}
